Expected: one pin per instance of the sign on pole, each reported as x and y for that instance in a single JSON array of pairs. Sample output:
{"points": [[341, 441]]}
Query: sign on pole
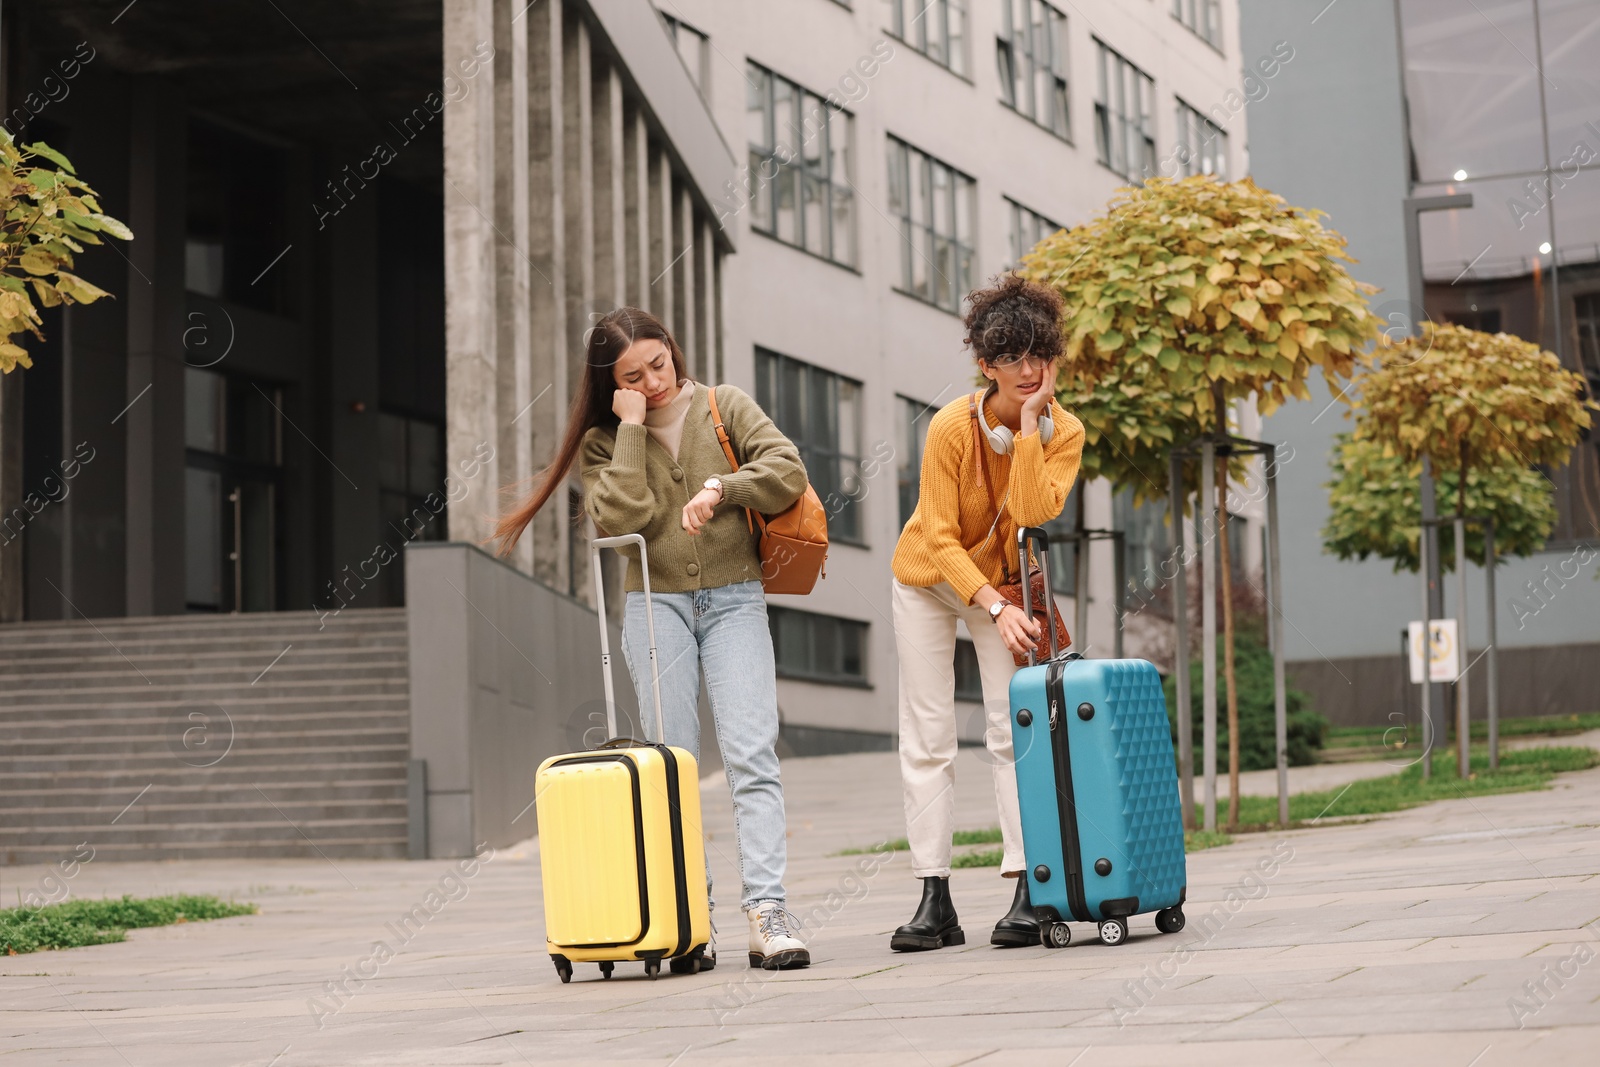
{"points": [[1444, 663]]}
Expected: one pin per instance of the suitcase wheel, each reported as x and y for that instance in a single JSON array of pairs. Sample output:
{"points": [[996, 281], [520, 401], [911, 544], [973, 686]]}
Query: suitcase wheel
{"points": [[1055, 935], [1113, 931], [1169, 920], [652, 968], [606, 967], [563, 968]]}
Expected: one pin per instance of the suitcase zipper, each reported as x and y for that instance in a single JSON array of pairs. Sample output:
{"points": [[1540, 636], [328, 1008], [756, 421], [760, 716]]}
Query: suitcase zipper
{"points": [[681, 879], [1066, 801]]}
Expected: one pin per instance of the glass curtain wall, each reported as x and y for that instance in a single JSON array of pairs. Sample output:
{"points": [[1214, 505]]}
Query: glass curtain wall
{"points": [[1503, 103]]}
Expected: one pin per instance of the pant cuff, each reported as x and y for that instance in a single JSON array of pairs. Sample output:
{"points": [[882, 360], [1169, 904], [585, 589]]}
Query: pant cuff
{"points": [[930, 872]]}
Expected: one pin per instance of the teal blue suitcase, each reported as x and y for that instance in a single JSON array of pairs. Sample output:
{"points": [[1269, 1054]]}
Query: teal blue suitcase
{"points": [[1102, 828]]}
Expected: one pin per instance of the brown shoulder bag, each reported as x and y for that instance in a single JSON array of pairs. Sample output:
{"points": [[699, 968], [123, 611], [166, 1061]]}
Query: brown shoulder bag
{"points": [[794, 542], [1043, 604]]}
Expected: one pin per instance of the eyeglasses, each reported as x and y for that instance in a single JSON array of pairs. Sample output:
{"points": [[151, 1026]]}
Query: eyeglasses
{"points": [[1011, 359]]}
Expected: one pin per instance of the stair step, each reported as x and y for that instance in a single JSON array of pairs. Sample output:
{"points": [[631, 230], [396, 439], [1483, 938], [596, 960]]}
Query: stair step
{"points": [[184, 719], [161, 760], [103, 778], [145, 743], [221, 792], [247, 703], [82, 670]]}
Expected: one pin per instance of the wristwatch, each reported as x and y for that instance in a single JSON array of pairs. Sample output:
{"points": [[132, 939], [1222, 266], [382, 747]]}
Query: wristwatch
{"points": [[714, 483], [996, 608]]}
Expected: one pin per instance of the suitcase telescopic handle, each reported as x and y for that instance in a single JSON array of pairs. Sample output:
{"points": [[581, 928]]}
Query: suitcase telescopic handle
{"points": [[605, 637], [1024, 535]]}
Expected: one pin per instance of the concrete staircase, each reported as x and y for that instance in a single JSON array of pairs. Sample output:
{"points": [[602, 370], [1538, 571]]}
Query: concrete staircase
{"points": [[205, 737]]}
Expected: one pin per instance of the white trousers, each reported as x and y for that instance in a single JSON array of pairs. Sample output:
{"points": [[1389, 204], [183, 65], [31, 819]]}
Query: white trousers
{"points": [[925, 637]]}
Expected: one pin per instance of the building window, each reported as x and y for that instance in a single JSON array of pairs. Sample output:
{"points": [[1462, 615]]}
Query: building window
{"points": [[1028, 228], [934, 205], [969, 682], [821, 413], [818, 648], [1487, 320], [936, 28], [1202, 145], [911, 433], [1064, 546], [1124, 135], [1146, 543], [800, 179], [694, 48], [236, 224], [1203, 17], [1032, 55], [411, 490]]}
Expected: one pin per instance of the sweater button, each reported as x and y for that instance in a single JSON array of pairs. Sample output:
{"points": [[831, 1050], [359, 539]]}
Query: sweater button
{"points": [[694, 569], [677, 474]]}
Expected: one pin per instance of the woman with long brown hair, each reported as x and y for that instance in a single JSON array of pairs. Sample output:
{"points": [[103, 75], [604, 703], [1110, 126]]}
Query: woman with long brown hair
{"points": [[646, 445]]}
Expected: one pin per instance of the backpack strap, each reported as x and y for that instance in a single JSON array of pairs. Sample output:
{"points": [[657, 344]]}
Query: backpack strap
{"points": [[727, 448]]}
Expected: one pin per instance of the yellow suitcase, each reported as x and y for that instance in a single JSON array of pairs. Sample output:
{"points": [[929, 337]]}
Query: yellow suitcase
{"points": [[621, 849]]}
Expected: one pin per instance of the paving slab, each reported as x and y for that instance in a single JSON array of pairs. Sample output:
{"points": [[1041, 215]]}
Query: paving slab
{"points": [[1408, 938]]}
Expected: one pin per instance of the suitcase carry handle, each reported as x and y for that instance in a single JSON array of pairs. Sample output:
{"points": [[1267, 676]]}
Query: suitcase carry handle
{"points": [[605, 637], [1024, 535]]}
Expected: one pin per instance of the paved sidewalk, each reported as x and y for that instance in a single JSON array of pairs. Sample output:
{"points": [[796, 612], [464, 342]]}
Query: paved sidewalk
{"points": [[1405, 940]]}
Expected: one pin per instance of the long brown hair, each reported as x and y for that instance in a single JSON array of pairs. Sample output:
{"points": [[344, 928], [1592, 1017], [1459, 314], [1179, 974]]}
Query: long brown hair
{"points": [[604, 344]]}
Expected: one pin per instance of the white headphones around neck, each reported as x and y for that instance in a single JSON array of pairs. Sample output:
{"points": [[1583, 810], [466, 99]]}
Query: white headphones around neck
{"points": [[999, 437]]}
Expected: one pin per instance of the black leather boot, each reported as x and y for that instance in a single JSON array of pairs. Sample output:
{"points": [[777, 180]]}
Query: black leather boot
{"points": [[1018, 927], [935, 924]]}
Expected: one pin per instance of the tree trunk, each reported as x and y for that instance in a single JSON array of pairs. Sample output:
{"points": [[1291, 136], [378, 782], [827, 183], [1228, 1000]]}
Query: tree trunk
{"points": [[1225, 572]]}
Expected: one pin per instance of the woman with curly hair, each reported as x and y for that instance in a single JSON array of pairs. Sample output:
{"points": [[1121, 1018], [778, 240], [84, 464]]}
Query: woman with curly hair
{"points": [[960, 543]]}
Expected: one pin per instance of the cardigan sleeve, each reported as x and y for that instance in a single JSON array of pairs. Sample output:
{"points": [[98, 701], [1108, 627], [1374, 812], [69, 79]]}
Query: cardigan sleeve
{"points": [[771, 475], [939, 505], [616, 491], [1042, 475]]}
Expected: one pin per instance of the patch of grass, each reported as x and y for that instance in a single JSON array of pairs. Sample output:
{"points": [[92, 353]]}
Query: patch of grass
{"points": [[1200, 840], [1520, 771], [98, 922], [960, 837]]}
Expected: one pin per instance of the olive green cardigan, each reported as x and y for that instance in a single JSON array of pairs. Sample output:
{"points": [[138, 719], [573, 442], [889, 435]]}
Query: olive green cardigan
{"points": [[632, 485]]}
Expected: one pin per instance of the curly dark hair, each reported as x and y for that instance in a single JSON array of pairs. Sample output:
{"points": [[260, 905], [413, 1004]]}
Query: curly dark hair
{"points": [[1014, 315]]}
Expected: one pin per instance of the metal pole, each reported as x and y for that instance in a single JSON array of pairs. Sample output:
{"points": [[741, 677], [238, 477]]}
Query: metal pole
{"points": [[1119, 570], [1180, 655], [1434, 585], [1494, 676], [1080, 594], [1463, 710], [1208, 629], [1427, 640], [1280, 698]]}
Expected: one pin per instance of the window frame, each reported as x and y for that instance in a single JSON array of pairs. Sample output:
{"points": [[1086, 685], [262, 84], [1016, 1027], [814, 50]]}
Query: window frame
{"points": [[1017, 211], [809, 176], [910, 446], [702, 76], [905, 196], [846, 522], [776, 615], [1018, 48], [1203, 19], [1191, 121], [1109, 120], [918, 42]]}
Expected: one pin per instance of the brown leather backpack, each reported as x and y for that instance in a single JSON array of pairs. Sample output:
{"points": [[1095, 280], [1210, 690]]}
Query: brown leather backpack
{"points": [[794, 542]]}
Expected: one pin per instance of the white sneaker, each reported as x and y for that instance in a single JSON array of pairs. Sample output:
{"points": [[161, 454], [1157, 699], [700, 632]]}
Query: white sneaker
{"points": [[772, 946]]}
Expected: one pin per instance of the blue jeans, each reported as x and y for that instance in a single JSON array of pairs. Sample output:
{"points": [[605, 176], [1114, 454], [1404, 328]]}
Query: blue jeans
{"points": [[724, 631]]}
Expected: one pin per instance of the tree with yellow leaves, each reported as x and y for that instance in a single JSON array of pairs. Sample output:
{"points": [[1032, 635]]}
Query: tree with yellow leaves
{"points": [[47, 214], [1184, 297]]}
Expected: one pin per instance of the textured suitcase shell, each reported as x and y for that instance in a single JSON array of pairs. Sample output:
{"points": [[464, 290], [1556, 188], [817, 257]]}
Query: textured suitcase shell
{"points": [[616, 886], [1123, 789]]}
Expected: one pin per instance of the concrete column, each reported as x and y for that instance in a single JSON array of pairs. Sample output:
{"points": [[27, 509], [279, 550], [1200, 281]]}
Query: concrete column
{"points": [[682, 271], [578, 113], [154, 295], [661, 250], [707, 328], [610, 216], [636, 197], [513, 439], [547, 289], [470, 312]]}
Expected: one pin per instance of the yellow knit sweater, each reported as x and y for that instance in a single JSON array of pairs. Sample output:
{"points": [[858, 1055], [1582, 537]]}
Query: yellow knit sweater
{"points": [[947, 538]]}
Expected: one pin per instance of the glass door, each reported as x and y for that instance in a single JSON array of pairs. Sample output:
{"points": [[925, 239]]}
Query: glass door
{"points": [[233, 486]]}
